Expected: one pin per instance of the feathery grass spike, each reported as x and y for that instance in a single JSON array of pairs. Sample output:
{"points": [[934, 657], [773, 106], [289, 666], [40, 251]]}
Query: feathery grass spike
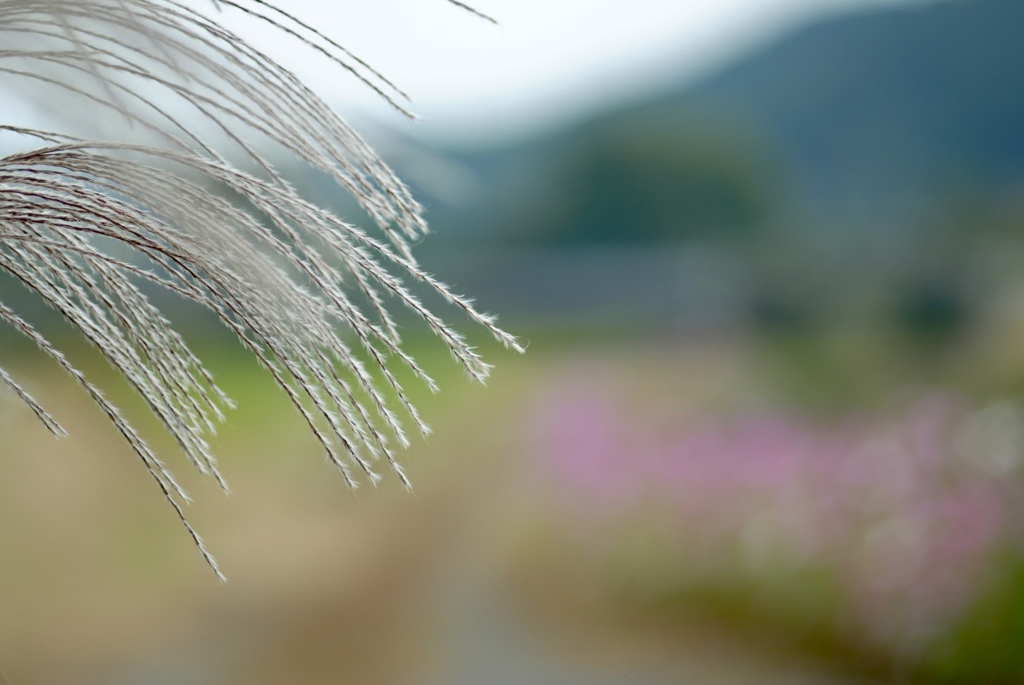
{"points": [[268, 263]]}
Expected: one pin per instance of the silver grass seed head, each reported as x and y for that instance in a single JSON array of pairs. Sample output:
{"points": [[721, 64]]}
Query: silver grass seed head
{"points": [[276, 270]]}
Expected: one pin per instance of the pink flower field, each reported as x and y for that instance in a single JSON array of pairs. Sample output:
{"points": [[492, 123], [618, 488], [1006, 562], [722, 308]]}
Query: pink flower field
{"points": [[880, 531]]}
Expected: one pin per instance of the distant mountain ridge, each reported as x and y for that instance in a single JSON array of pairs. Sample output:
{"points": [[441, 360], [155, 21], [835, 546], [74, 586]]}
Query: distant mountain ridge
{"points": [[883, 103], [871, 115], [875, 157]]}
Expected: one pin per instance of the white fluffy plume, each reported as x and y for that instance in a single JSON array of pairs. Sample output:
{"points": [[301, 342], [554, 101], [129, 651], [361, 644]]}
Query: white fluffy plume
{"points": [[90, 225]]}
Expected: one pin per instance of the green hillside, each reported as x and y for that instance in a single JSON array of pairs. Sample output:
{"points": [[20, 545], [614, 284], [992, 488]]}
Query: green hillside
{"points": [[870, 156]]}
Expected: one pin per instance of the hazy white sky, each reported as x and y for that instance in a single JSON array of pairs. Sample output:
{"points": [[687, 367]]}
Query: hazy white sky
{"points": [[548, 59]]}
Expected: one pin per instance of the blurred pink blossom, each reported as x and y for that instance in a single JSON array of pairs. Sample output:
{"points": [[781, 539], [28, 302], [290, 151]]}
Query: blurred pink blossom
{"points": [[895, 507]]}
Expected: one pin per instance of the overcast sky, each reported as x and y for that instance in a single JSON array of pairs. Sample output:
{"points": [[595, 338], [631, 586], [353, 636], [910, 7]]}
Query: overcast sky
{"points": [[547, 60]]}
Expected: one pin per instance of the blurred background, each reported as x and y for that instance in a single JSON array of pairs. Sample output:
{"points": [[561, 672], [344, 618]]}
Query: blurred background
{"points": [[768, 258]]}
